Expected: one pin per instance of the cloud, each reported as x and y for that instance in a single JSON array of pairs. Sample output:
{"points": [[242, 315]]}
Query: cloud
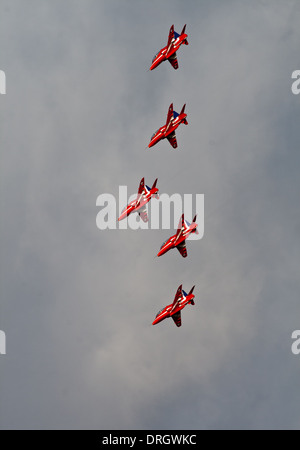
{"points": [[78, 302]]}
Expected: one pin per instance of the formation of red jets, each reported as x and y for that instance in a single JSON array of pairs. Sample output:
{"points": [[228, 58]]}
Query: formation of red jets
{"points": [[145, 193], [168, 53]]}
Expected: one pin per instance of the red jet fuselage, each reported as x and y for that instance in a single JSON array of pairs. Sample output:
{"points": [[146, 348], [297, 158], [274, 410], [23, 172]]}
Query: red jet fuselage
{"points": [[174, 42], [169, 128], [144, 196], [181, 300], [175, 240]]}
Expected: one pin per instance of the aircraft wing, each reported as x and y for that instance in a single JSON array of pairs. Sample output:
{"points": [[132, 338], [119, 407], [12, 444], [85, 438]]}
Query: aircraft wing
{"points": [[180, 228], [173, 60], [172, 139], [177, 319], [143, 214], [177, 297], [169, 117], [138, 200], [182, 249], [140, 192], [170, 38]]}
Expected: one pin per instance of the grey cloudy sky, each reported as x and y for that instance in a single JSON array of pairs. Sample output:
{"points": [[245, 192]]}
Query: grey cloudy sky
{"points": [[77, 303]]}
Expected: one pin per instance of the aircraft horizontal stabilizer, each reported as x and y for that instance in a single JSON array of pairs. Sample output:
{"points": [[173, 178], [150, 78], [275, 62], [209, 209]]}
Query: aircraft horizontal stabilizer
{"points": [[191, 291]]}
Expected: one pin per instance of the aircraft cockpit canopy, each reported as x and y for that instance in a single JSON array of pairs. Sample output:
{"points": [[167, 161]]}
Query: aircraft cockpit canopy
{"points": [[159, 312], [155, 56], [163, 244], [154, 134]]}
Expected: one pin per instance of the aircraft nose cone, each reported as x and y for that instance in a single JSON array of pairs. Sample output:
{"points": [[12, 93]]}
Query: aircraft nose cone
{"points": [[153, 65], [151, 143], [161, 252], [156, 63]]}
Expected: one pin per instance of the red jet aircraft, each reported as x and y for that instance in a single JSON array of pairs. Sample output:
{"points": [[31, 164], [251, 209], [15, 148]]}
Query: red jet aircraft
{"points": [[145, 193], [178, 240], [175, 40], [168, 130], [180, 301]]}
